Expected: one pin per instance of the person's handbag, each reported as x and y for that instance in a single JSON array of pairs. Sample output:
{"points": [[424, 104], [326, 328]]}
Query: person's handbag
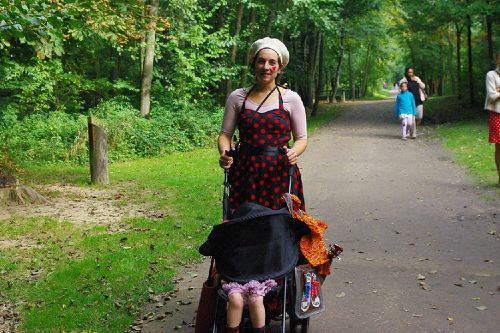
{"points": [[423, 95], [205, 315]]}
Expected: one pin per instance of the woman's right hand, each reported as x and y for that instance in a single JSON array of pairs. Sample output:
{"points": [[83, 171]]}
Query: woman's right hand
{"points": [[225, 161]]}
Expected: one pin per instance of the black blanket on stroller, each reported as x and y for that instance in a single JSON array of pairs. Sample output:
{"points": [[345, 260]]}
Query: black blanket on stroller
{"points": [[258, 243]]}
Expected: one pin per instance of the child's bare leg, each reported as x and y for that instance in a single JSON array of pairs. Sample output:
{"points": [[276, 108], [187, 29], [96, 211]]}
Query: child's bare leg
{"points": [[234, 310], [257, 312]]}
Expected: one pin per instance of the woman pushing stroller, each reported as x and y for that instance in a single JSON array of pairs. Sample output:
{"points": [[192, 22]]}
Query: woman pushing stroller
{"points": [[266, 115]]}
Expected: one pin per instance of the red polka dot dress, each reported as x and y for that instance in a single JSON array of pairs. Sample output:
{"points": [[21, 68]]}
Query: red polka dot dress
{"points": [[257, 176], [494, 123]]}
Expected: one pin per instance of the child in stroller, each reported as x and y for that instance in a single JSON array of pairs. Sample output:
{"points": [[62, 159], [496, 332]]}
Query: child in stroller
{"points": [[251, 250]]}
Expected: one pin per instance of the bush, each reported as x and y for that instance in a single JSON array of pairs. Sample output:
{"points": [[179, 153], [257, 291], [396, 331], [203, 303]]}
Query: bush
{"points": [[61, 137], [47, 137], [438, 110]]}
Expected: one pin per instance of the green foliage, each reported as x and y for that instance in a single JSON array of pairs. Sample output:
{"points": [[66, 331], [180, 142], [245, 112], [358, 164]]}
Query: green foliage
{"points": [[438, 110], [59, 136], [42, 137]]}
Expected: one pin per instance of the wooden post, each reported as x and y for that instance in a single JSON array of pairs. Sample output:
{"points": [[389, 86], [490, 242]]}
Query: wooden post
{"points": [[343, 95], [98, 151]]}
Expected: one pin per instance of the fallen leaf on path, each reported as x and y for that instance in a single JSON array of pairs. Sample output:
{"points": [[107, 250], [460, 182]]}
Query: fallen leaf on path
{"points": [[472, 281], [420, 277], [481, 308], [476, 298], [458, 259], [369, 259], [492, 232], [348, 282], [489, 261], [433, 271], [482, 274], [417, 315], [458, 284], [424, 285], [450, 319], [342, 294], [434, 307]]}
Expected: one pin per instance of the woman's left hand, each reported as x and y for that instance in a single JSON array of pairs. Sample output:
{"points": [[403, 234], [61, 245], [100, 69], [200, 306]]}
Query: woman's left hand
{"points": [[291, 155]]}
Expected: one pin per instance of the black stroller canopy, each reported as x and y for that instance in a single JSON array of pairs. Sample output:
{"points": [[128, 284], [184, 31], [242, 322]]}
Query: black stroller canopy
{"points": [[258, 243]]}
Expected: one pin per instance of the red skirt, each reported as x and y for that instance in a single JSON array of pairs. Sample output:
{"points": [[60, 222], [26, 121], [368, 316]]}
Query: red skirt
{"points": [[494, 127]]}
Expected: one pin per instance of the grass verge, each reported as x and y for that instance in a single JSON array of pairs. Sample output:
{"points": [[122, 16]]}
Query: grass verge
{"points": [[468, 141], [66, 277]]}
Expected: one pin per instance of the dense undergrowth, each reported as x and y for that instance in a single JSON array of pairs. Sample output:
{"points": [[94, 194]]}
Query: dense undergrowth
{"points": [[55, 137]]}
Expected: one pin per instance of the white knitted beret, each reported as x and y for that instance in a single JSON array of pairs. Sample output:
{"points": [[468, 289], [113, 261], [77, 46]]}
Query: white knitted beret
{"points": [[273, 44]]}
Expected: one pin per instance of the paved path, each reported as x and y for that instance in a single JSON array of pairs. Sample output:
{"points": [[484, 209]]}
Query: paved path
{"points": [[400, 208]]}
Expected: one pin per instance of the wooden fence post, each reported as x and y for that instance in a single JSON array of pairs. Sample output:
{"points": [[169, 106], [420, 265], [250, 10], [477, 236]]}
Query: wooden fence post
{"points": [[343, 95], [98, 151]]}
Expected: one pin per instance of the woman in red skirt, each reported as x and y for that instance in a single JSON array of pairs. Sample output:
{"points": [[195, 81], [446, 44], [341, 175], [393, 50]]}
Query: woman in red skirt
{"points": [[266, 116], [492, 105]]}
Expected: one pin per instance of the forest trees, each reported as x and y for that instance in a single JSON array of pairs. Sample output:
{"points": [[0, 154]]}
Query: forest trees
{"points": [[440, 34], [62, 60]]}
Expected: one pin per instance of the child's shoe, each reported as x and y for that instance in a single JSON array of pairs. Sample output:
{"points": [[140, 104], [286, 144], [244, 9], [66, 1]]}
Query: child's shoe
{"points": [[306, 298], [315, 300]]}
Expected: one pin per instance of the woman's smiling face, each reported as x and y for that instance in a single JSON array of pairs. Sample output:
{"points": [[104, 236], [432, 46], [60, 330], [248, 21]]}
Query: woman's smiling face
{"points": [[266, 66]]}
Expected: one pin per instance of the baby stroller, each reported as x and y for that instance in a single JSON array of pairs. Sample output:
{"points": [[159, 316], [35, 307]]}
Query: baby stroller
{"points": [[258, 243]]}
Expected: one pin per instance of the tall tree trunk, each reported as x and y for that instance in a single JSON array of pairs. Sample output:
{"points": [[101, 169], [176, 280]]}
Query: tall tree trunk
{"points": [[364, 85], [303, 87], [147, 73], [270, 19], [335, 81], [352, 86], [458, 31], [469, 60], [244, 72], [234, 50], [451, 73], [489, 38], [311, 82], [143, 42], [321, 76]]}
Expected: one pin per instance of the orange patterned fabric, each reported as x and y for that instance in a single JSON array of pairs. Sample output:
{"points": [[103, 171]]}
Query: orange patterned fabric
{"points": [[313, 246]]}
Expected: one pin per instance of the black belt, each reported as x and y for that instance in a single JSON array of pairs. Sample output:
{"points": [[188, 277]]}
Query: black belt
{"points": [[253, 150]]}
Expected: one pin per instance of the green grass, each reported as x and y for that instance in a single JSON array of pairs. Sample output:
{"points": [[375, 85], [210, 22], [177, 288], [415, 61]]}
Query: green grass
{"points": [[468, 140], [326, 113], [378, 95], [76, 278]]}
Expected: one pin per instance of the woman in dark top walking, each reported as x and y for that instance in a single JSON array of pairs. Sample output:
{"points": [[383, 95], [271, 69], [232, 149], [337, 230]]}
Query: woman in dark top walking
{"points": [[416, 87]]}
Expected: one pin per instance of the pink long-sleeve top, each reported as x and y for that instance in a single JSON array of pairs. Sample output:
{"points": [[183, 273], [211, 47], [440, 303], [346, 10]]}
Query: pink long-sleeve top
{"points": [[291, 103]]}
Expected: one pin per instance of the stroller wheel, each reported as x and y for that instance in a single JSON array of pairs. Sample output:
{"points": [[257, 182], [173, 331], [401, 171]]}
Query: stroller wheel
{"points": [[305, 325]]}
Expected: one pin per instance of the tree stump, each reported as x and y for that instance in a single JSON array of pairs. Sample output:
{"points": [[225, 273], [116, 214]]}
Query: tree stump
{"points": [[12, 192], [98, 150]]}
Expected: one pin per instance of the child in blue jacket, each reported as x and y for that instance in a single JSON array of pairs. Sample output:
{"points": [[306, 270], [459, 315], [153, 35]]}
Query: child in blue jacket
{"points": [[405, 110]]}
